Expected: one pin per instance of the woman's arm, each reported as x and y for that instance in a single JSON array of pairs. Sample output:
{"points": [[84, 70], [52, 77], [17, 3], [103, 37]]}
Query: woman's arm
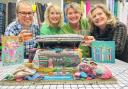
{"points": [[120, 35]]}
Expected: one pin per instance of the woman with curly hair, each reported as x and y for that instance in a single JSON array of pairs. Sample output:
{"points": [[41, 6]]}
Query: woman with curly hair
{"points": [[105, 27]]}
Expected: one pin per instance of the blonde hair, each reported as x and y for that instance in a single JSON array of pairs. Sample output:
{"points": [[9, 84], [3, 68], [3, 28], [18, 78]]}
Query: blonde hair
{"points": [[75, 6], [111, 20], [22, 2], [46, 15]]}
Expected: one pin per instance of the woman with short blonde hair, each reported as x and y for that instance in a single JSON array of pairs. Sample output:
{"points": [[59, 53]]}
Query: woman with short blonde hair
{"points": [[75, 6], [46, 15], [76, 24]]}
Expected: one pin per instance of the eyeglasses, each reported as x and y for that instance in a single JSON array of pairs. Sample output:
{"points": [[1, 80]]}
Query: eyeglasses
{"points": [[26, 13]]}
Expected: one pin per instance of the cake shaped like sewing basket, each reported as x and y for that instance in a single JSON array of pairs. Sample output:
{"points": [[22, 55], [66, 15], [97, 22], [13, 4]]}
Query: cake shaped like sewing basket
{"points": [[58, 51]]}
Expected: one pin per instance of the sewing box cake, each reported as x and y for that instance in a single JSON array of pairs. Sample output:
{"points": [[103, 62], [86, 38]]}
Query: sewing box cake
{"points": [[59, 58]]}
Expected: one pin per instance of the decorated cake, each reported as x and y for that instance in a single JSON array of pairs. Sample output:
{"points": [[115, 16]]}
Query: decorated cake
{"points": [[59, 58], [58, 51]]}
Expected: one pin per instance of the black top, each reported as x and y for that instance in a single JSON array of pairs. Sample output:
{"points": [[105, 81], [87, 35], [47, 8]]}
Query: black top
{"points": [[106, 35]]}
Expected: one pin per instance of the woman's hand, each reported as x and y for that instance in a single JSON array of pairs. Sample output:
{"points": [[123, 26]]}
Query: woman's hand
{"points": [[26, 35], [88, 40]]}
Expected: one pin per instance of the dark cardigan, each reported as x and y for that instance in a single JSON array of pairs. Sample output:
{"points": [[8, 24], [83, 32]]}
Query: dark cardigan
{"points": [[117, 34]]}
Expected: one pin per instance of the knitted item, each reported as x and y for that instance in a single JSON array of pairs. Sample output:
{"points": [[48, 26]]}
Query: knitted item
{"points": [[124, 55], [103, 72], [120, 36]]}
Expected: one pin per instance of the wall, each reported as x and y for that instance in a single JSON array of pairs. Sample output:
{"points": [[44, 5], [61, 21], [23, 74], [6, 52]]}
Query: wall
{"points": [[55, 2], [93, 2]]}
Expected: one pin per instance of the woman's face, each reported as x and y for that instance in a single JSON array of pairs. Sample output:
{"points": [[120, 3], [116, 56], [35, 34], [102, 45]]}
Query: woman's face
{"points": [[99, 18], [73, 16], [25, 15], [54, 16]]}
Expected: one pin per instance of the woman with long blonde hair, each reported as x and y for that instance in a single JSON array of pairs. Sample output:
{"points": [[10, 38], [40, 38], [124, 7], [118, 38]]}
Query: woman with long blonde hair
{"points": [[105, 27], [53, 21]]}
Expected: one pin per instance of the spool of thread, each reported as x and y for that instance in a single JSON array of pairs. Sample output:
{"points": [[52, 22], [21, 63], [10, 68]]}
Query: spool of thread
{"points": [[77, 74], [83, 75], [19, 79], [50, 64]]}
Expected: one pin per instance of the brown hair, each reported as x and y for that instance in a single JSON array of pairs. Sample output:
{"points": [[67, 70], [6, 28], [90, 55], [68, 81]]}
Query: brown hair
{"points": [[111, 19]]}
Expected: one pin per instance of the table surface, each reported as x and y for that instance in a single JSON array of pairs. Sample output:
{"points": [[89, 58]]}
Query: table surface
{"points": [[119, 70]]}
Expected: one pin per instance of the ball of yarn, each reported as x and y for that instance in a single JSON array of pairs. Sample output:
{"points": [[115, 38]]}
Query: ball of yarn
{"points": [[83, 75], [99, 70]]}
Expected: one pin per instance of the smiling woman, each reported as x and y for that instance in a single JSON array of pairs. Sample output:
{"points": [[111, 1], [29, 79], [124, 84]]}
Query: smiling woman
{"points": [[24, 13], [105, 27], [77, 24], [24, 26], [53, 21]]}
